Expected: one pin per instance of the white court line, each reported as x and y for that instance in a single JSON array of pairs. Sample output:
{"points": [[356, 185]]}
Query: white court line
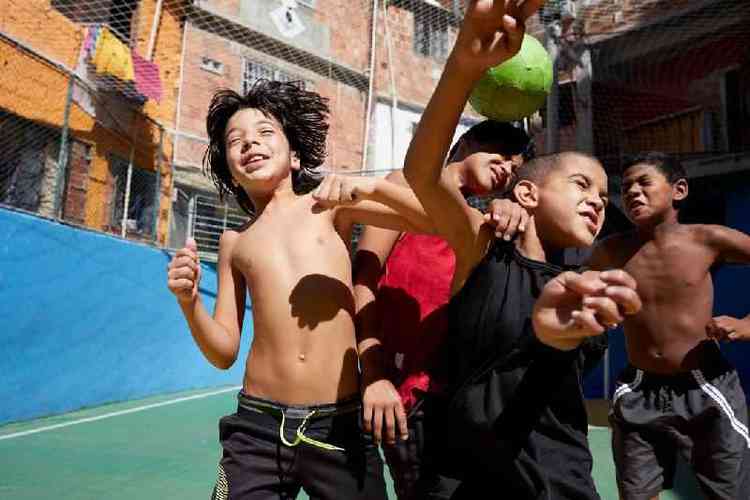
{"points": [[597, 427], [118, 413]]}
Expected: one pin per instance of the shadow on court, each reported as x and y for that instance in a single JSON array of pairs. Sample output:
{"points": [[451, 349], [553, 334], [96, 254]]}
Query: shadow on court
{"points": [[164, 447]]}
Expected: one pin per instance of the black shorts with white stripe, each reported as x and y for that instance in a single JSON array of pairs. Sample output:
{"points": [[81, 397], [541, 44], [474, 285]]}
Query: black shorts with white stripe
{"points": [[700, 414]]}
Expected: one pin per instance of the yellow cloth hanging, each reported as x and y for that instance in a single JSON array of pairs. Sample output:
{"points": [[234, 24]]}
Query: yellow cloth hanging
{"points": [[112, 57]]}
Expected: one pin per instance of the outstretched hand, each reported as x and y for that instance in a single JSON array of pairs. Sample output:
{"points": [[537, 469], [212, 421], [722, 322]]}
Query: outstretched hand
{"points": [[574, 306], [492, 31]]}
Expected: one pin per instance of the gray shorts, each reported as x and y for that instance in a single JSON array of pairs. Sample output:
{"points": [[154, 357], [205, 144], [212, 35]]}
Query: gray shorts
{"points": [[702, 415]]}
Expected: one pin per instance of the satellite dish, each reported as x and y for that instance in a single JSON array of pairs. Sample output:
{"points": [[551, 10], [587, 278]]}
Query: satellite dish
{"points": [[286, 19]]}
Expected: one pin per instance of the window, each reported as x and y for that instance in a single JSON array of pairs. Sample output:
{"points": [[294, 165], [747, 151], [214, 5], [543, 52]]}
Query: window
{"points": [[28, 164], [431, 35], [254, 71], [140, 196], [117, 14], [212, 65]]}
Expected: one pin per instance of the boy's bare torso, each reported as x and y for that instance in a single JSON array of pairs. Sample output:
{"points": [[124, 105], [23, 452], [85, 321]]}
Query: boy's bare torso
{"points": [[297, 269], [674, 282]]}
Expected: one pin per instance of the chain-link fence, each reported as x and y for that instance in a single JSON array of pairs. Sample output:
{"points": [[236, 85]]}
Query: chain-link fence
{"points": [[103, 102]]}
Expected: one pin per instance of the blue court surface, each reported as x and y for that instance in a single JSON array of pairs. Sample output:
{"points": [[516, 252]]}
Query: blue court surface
{"points": [[160, 447]]}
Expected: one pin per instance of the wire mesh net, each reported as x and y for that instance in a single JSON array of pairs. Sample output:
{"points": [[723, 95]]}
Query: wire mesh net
{"points": [[103, 102]]}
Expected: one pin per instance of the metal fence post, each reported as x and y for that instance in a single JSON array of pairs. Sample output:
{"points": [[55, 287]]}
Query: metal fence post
{"points": [[124, 223], [157, 185], [191, 217], [62, 158]]}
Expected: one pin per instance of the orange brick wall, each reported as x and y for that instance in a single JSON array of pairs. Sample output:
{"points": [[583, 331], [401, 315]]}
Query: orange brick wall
{"points": [[38, 92]]}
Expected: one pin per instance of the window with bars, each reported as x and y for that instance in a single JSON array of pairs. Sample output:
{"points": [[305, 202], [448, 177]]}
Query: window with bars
{"points": [[431, 35], [253, 71]]}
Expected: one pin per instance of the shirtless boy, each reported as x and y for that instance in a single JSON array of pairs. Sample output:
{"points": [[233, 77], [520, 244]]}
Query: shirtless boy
{"points": [[678, 394], [535, 445], [297, 423]]}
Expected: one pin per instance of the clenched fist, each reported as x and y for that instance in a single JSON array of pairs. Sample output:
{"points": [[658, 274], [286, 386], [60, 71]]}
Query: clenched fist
{"points": [[184, 272]]}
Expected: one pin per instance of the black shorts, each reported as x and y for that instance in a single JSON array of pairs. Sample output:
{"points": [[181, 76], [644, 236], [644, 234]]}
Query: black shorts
{"points": [[414, 477], [270, 451], [700, 414]]}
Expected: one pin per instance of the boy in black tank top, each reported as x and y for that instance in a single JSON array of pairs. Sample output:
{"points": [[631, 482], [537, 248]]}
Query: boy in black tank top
{"points": [[516, 419]]}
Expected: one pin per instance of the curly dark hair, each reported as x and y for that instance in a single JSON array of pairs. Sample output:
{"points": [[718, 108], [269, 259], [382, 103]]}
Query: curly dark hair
{"points": [[303, 116]]}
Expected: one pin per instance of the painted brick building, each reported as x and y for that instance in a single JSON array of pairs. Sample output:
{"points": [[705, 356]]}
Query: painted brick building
{"points": [[47, 100]]}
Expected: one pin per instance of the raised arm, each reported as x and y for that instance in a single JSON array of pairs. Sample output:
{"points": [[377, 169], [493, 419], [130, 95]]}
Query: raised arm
{"points": [[490, 34], [217, 336]]}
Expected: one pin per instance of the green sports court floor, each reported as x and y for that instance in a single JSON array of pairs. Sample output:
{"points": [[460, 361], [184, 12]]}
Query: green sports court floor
{"points": [[159, 448]]}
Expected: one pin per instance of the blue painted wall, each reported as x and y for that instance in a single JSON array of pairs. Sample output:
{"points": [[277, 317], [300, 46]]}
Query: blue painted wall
{"points": [[732, 285], [731, 298], [86, 319]]}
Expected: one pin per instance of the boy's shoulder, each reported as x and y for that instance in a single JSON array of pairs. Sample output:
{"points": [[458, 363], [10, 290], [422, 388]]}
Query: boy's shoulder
{"points": [[697, 233], [230, 237]]}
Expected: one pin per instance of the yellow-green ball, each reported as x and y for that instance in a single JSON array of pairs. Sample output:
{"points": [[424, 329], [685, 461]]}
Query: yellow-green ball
{"points": [[516, 88]]}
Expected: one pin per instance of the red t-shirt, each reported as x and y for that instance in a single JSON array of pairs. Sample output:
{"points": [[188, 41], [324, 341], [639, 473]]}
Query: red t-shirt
{"points": [[412, 297]]}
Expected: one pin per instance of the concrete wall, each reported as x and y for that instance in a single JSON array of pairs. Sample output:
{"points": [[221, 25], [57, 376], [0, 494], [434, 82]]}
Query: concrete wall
{"points": [[87, 319]]}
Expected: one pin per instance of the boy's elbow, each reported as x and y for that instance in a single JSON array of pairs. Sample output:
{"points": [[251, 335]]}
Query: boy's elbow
{"points": [[223, 362]]}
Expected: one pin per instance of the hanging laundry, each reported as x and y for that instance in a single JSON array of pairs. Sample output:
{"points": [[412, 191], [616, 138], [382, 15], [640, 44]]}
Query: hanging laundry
{"points": [[89, 43], [113, 57], [81, 94], [147, 79]]}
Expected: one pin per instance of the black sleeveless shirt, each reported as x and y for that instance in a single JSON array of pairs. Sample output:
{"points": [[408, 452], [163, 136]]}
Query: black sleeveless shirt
{"points": [[516, 414]]}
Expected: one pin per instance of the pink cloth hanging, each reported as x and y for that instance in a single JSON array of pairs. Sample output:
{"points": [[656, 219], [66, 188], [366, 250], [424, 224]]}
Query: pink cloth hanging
{"points": [[147, 79]]}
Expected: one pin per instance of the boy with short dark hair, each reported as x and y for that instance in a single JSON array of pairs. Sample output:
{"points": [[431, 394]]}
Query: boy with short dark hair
{"points": [[297, 423], [402, 285], [516, 423], [678, 393]]}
